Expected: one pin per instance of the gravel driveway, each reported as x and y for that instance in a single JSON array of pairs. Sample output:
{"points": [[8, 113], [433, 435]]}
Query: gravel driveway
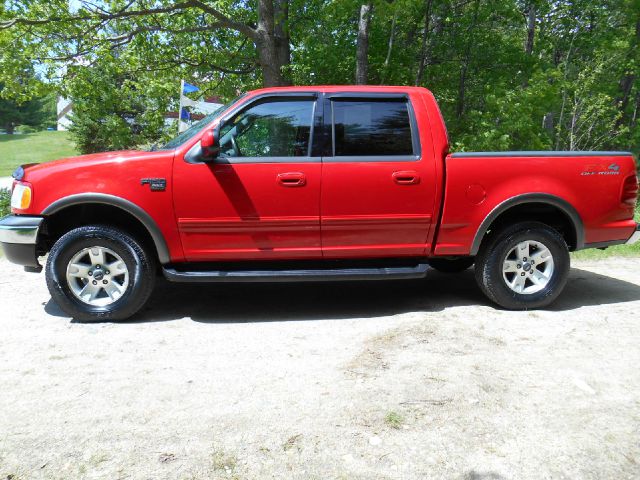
{"points": [[402, 380]]}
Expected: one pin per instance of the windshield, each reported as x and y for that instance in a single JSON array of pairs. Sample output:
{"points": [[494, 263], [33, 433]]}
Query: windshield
{"points": [[196, 127]]}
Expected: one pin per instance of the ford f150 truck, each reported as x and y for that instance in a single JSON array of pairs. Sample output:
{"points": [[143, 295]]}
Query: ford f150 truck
{"points": [[314, 183]]}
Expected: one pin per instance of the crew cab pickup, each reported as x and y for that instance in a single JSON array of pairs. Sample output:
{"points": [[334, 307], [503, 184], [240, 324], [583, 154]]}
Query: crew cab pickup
{"points": [[313, 184]]}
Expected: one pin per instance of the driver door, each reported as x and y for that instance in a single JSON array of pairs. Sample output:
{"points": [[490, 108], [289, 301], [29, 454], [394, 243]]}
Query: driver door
{"points": [[260, 199]]}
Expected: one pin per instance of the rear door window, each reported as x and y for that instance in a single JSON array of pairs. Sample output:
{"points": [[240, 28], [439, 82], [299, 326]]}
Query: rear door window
{"points": [[375, 128]]}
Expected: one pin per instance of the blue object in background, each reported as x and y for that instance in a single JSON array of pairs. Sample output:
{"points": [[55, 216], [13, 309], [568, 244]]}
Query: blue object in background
{"points": [[188, 88], [184, 114]]}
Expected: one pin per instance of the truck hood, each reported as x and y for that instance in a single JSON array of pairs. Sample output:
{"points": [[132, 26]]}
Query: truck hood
{"points": [[85, 160], [36, 171]]}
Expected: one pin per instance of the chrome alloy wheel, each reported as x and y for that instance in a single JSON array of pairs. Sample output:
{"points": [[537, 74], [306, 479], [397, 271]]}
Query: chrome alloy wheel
{"points": [[97, 276], [528, 267]]}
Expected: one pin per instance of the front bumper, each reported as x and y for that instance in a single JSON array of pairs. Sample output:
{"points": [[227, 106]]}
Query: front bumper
{"points": [[635, 237], [19, 239]]}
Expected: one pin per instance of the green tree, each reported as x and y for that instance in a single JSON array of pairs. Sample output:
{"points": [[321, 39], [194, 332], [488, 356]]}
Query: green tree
{"points": [[113, 109], [218, 36], [35, 112], [514, 74]]}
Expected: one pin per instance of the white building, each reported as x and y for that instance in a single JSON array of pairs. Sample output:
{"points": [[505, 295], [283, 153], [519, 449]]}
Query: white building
{"points": [[63, 109]]}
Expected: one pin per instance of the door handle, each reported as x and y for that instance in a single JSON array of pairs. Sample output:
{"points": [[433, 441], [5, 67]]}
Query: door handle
{"points": [[406, 177], [292, 179]]}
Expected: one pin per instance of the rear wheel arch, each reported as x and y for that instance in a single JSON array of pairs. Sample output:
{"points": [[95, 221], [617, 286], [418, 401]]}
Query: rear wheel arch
{"points": [[545, 208], [75, 210]]}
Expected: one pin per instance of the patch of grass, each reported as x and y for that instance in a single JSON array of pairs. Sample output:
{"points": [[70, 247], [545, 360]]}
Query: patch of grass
{"points": [[394, 420], [379, 349], [615, 251], [223, 462], [33, 148]]}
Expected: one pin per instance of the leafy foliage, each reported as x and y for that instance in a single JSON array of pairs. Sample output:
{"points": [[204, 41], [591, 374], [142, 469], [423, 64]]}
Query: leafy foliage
{"points": [[113, 110], [5, 202], [36, 113], [517, 74]]}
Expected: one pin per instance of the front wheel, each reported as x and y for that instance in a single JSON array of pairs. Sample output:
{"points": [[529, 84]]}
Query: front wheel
{"points": [[99, 273], [524, 266]]}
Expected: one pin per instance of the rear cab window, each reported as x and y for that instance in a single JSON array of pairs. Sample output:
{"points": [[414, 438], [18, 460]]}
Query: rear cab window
{"points": [[376, 128]]}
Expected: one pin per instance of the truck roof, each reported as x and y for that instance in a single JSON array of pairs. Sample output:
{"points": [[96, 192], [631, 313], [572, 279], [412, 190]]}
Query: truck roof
{"points": [[343, 88]]}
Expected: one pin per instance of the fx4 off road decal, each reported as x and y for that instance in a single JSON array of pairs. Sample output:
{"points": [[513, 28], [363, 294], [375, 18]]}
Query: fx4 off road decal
{"points": [[612, 169]]}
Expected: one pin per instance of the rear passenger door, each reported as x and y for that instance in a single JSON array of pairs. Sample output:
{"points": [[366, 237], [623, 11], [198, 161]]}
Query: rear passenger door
{"points": [[378, 181]]}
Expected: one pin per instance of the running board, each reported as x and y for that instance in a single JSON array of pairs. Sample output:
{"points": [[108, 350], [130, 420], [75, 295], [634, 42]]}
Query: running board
{"points": [[301, 275]]}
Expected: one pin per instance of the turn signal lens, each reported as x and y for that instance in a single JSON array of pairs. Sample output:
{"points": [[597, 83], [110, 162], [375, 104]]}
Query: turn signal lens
{"points": [[21, 196]]}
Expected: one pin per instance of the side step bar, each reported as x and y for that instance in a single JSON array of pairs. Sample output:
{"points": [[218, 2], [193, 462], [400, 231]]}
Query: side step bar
{"points": [[302, 275]]}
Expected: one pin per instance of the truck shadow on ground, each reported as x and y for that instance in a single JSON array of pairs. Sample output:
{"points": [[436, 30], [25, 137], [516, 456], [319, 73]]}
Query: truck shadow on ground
{"points": [[243, 303]]}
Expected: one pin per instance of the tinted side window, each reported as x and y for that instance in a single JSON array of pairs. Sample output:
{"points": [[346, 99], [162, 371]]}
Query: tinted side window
{"points": [[370, 127], [274, 128]]}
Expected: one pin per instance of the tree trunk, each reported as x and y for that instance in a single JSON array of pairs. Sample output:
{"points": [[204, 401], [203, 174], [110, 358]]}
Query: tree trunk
{"points": [[272, 41], [531, 29], [465, 63], [424, 45], [627, 81], [572, 131], [560, 124], [282, 40], [626, 85], [362, 48], [387, 59], [9, 128], [530, 14]]}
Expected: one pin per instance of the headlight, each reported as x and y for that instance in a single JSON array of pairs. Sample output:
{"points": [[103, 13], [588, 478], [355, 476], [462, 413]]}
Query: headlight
{"points": [[21, 196]]}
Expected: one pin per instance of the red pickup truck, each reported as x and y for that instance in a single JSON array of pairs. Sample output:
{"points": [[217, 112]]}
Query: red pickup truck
{"points": [[312, 184]]}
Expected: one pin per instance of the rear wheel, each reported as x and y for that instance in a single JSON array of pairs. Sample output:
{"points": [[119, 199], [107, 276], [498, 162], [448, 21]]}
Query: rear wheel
{"points": [[99, 273], [451, 265], [524, 266]]}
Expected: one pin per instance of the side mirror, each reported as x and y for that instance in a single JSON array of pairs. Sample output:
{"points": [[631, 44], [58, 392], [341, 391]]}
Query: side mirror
{"points": [[209, 144]]}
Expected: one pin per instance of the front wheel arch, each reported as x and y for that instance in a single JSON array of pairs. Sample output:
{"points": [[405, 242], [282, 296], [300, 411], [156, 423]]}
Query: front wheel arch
{"points": [[91, 208]]}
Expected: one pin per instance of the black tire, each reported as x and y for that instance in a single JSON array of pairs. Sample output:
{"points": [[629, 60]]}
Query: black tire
{"points": [[451, 265], [489, 266], [140, 265]]}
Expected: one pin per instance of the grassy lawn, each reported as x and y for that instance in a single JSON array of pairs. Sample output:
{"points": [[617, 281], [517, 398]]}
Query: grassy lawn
{"points": [[33, 148], [616, 251]]}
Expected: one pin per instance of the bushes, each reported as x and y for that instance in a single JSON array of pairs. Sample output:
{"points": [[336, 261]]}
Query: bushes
{"points": [[5, 201], [26, 129]]}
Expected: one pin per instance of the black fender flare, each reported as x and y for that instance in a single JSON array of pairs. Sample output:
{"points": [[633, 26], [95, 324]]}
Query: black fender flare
{"points": [[105, 199], [560, 203]]}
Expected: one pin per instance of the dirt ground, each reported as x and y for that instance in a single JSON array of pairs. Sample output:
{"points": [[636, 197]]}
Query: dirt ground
{"points": [[402, 380]]}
